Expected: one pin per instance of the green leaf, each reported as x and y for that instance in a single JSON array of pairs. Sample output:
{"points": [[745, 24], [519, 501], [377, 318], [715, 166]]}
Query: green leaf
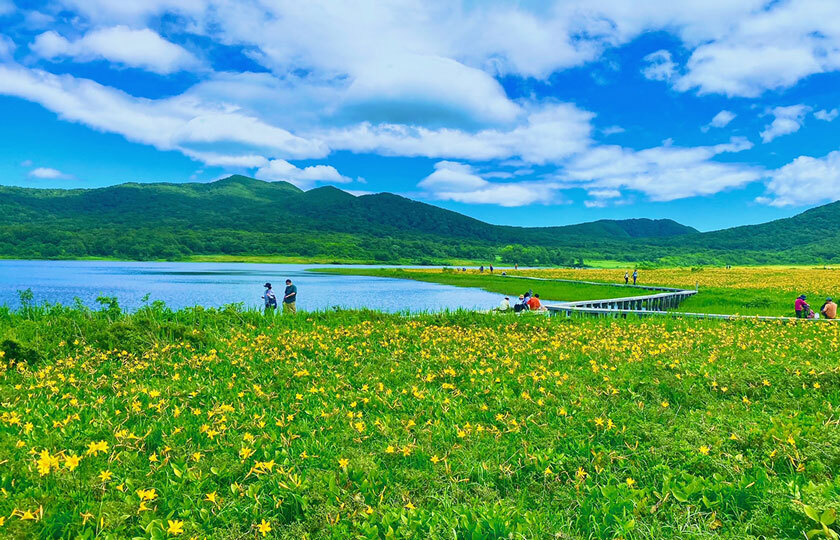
{"points": [[828, 517], [811, 513]]}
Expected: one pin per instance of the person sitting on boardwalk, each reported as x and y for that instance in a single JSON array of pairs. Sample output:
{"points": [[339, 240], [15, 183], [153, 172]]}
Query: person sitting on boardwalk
{"points": [[534, 303], [829, 309], [522, 305], [801, 307], [505, 304]]}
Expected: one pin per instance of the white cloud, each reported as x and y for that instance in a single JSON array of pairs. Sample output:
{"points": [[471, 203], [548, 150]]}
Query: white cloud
{"points": [[612, 130], [461, 183], [786, 120], [6, 7], [180, 123], [549, 134], [7, 47], [826, 115], [121, 45], [722, 119], [279, 169], [48, 173], [660, 66], [805, 180], [662, 173]]}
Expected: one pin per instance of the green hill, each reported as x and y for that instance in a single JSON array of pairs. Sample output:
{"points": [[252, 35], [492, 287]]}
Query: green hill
{"points": [[243, 216]]}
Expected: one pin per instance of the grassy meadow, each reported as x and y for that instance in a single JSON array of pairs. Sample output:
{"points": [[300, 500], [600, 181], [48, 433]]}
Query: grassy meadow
{"points": [[756, 290], [508, 286], [229, 424]]}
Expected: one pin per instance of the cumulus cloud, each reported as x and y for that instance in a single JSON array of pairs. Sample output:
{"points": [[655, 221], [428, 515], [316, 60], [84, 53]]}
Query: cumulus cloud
{"points": [[826, 115], [548, 134], [119, 44], [461, 182], [7, 47], [48, 173], [786, 120], [279, 169], [721, 119], [176, 123], [660, 66], [805, 180], [663, 173]]}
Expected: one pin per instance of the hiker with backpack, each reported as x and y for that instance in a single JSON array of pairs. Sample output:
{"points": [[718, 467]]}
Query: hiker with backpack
{"points": [[270, 299]]}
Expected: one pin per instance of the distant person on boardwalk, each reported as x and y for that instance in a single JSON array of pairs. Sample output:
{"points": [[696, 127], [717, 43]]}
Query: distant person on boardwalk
{"points": [[516, 266], [635, 276], [289, 298], [505, 304], [626, 277], [481, 268], [534, 303], [270, 299], [491, 268], [522, 305], [829, 309], [801, 307]]}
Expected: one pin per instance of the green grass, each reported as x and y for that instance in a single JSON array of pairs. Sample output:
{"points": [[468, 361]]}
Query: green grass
{"points": [[459, 425], [508, 286], [746, 302]]}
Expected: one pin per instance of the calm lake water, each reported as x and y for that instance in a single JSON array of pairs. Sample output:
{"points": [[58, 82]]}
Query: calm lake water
{"points": [[216, 284]]}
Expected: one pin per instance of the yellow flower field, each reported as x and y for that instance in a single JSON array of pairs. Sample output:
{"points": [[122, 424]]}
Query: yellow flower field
{"points": [[460, 426]]}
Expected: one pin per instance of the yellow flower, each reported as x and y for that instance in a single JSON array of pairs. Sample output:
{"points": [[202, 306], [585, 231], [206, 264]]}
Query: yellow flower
{"points": [[630, 482], [435, 459], [210, 497], [176, 527], [704, 450], [409, 506], [106, 476], [665, 404], [264, 527], [71, 462], [390, 449], [343, 462], [96, 447], [153, 458]]}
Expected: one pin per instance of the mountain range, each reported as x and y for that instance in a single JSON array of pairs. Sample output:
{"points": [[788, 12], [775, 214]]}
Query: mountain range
{"points": [[241, 216]]}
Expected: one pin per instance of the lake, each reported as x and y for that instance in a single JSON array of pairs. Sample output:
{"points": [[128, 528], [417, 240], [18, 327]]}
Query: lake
{"points": [[217, 284]]}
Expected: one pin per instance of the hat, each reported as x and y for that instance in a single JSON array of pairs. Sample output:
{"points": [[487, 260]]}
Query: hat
{"points": [[267, 285], [802, 296], [828, 299]]}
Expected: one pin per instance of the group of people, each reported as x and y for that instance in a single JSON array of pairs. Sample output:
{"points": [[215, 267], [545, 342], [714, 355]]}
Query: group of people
{"points": [[804, 311], [627, 277], [289, 298], [527, 302]]}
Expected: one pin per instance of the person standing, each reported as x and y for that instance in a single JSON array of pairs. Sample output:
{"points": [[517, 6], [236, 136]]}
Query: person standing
{"points": [[626, 277], [635, 276], [270, 299], [491, 268], [289, 298], [829, 309]]}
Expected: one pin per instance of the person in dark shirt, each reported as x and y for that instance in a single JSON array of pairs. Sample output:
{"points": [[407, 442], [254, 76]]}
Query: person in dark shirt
{"points": [[289, 298]]}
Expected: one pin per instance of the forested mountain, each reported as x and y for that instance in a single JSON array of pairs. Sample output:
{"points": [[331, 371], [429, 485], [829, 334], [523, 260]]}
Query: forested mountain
{"points": [[244, 216]]}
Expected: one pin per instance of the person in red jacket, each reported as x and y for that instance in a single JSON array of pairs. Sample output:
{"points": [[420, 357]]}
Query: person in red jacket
{"points": [[801, 307], [534, 303]]}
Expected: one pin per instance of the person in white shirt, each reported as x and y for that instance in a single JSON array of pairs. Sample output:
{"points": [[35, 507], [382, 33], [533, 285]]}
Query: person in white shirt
{"points": [[505, 304]]}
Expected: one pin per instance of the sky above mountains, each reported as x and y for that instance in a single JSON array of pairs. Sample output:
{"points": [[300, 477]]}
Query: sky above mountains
{"points": [[713, 113]]}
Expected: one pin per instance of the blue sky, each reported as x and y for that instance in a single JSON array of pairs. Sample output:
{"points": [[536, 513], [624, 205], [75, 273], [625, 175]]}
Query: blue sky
{"points": [[713, 113]]}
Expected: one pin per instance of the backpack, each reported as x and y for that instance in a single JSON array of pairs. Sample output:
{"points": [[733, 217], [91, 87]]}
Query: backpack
{"points": [[272, 300]]}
